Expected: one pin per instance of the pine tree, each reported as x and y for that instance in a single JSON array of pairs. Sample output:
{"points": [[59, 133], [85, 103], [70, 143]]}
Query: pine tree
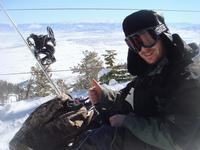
{"points": [[117, 72], [121, 73], [88, 69], [40, 85], [7, 88], [109, 58]]}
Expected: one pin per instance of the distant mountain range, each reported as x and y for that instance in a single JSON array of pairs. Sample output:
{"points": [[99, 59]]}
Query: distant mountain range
{"points": [[64, 26], [86, 26]]}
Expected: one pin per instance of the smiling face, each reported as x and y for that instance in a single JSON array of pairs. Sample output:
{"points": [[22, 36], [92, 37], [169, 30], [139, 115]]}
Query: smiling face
{"points": [[153, 54]]}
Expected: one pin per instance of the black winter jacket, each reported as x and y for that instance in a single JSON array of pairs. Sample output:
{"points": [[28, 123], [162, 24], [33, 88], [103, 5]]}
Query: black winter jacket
{"points": [[166, 99]]}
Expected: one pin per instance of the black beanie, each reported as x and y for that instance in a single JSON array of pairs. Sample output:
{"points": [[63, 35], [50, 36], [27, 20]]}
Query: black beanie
{"points": [[141, 20]]}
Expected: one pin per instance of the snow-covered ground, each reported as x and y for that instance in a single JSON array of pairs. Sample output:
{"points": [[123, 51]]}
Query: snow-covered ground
{"points": [[14, 114]]}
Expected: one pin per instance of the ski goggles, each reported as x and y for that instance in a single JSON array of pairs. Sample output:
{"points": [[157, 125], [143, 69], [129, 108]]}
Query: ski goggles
{"points": [[146, 38]]}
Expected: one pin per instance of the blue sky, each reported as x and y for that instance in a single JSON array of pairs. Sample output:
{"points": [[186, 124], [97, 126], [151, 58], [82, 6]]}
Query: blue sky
{"points": [[91, 15]]}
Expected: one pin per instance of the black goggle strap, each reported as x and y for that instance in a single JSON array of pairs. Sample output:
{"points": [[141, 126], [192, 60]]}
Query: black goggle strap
{"points": [[155, 31], [152, 30]]}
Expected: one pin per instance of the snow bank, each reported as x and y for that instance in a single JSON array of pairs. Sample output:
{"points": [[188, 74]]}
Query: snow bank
{"points": [[13, 115]]}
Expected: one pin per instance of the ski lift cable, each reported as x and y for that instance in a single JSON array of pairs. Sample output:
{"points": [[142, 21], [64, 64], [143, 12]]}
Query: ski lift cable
{"points": [[58, 92], [20, 73], [97, 9]]}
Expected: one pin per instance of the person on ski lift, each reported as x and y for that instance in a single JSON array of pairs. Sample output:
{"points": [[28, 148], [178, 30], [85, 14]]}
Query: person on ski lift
{"points": [[166, 99]]}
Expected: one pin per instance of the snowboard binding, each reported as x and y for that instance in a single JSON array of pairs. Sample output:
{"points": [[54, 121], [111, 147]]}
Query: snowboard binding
{"points": [[43, 47]]}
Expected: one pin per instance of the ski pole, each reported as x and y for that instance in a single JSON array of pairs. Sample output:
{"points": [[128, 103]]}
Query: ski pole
{"points": [[58, 92]]}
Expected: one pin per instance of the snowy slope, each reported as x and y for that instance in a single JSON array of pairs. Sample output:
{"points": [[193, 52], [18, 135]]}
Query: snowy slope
{"points": [[13, 115]]}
